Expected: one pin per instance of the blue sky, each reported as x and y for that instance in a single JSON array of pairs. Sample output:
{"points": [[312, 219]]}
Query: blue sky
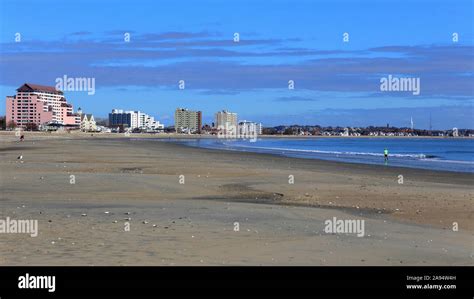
{"points": [[336, 82]]}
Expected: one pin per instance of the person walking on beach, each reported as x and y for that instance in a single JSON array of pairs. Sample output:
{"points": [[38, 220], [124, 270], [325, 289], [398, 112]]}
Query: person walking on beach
{"points": [[385, 154]]}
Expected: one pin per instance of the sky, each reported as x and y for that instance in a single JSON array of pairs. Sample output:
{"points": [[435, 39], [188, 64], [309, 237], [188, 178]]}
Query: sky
{"points": [[334, 52]]}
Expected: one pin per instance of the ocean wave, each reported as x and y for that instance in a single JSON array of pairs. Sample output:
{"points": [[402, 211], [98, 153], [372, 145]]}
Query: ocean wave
{"points": [[449, 161], [414, 156]]}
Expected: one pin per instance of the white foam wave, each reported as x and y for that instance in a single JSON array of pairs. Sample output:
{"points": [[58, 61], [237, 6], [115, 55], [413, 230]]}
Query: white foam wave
{"points": [[415, 156]]}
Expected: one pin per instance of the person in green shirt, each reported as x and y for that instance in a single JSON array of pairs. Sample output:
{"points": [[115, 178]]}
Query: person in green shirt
{"points": [[385, 154]]}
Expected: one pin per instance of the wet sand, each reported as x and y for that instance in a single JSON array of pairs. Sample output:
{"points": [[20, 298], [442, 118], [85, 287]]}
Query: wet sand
{"points": [[191, 222]]}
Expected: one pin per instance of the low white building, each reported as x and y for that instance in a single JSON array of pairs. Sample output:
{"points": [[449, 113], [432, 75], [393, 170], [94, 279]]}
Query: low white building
{"points": [[249, 128], [88, 123], [148, 122]]}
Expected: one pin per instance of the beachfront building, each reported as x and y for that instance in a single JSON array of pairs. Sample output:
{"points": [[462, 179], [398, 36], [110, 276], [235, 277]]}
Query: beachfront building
{"points": [[88, 123], [187, 121], [249, 128], [148, 122], [39, 105], [133, 120], [122, 118], [226, 122]]}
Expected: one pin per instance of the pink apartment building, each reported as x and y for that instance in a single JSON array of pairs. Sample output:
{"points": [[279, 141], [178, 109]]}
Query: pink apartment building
{"points": [[39, 104]]}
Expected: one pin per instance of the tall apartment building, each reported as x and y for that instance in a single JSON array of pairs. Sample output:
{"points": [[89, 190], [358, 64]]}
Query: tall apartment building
{"points": [[133, 120], [226, 121], [120, 118], [39, 104], [187, 121]]}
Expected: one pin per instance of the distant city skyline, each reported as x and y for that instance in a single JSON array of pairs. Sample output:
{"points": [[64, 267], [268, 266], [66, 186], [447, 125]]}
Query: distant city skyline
{"points": [[275, 62]]}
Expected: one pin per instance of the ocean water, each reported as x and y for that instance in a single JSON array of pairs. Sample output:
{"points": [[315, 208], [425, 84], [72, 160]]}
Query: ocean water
{"points": [[451, 154]]}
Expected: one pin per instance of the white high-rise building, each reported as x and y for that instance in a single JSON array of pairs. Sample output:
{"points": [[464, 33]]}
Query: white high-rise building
{"points": [[226, 121], [135, 118]]}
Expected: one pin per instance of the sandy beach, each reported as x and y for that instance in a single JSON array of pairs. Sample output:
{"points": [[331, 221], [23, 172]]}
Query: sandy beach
{"points": [[183, 203]]}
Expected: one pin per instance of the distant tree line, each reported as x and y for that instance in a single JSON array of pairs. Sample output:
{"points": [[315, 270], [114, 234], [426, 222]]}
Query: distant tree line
{"points": [[363, 131]]}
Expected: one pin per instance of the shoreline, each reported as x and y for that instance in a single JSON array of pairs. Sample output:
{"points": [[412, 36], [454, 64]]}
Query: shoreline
{"points": [[318, 159], [10, 137]]}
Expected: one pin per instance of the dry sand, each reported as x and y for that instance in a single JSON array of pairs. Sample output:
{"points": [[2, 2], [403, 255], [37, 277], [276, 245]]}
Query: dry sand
{"points": [[193, 223]]}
